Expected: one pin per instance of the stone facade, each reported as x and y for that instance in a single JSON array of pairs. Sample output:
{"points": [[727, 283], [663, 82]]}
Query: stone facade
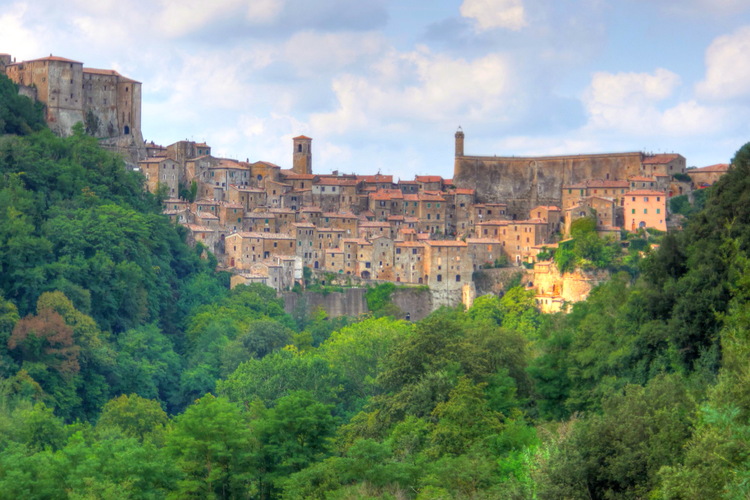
{"points": [[554, 291], [526, 182], [107, 103]]}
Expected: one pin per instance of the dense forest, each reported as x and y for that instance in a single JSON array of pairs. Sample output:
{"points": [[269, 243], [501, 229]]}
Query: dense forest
{"points": [[129, 370]]}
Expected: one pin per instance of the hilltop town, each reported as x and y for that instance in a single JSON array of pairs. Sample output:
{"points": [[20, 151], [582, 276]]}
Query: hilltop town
{"points": [[265, 223]]}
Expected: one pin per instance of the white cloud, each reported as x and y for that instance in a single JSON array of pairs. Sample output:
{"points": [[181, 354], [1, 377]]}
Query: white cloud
{"points": [[264, 11], [627, 101], [701, 8], [184, 17], [727, 67], [632, 103], [418, 86], [314, 53], [18, 39], [692, 118], [491, 14]]}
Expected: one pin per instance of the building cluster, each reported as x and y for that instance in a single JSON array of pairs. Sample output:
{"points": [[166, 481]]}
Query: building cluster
{"points": [[107, 103], [266, 223]]}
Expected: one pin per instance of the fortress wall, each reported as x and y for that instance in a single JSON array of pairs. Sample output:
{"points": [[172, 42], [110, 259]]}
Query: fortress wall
{"points": [[100, 97], [525, 182]]}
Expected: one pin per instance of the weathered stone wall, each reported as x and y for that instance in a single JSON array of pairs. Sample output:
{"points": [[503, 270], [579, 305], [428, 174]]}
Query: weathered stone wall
{"points": [[350, 302], [571, 287], [524, 183], [495, 281], [416, 302]]}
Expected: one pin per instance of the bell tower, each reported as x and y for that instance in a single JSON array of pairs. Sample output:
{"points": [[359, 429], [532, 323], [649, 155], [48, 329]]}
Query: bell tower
{"points": [[459, 142], [302, 158]]}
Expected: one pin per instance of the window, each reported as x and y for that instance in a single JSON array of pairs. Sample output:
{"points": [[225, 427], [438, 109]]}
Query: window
{"points": [[658, 210], [440, 277], [645, 210], [458, 277]]}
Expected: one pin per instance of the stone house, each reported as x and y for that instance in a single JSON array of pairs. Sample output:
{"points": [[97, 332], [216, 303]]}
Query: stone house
{"points": [[260, 222], [382, 258], [249, 197], [483, 251], [408, 262], [706, 176], [645, 208], [161, 172]]}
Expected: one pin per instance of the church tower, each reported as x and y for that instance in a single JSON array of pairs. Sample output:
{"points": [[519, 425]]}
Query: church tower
{"points": [[459, 142], [302, 163]]}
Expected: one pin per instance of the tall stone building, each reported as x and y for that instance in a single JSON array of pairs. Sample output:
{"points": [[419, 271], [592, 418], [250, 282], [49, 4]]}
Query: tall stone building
{"points": [[302, 160], [107, 103], [526, 182]]}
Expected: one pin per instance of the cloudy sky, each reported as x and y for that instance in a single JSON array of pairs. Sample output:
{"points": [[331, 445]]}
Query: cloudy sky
{"points": [[384, 84]]}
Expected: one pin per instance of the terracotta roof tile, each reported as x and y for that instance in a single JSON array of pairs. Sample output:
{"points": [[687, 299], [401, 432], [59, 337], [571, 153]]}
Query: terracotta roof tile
{"points": [[659, 159], [644, 192], [719, 167]]}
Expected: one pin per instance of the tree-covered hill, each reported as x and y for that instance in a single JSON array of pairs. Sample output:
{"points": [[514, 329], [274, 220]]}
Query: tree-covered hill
{"points": [[129, 370]]}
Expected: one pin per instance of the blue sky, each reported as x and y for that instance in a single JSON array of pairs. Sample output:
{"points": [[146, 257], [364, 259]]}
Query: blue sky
{"points": [[382, 85]]}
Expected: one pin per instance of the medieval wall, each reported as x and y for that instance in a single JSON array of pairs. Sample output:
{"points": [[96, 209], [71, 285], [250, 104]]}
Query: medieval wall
{"points": [[350, 302], [417, 302], [524, 183], [414, 302]]}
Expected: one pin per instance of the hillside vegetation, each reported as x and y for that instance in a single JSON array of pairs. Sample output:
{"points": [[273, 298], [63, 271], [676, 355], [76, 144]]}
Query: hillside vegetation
{"points": [[129, 370]]}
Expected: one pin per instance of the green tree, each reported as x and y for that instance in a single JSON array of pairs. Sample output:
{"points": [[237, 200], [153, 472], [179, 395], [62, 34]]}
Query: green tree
{"points": [[293, 435], [135, 417], [213, 446]]}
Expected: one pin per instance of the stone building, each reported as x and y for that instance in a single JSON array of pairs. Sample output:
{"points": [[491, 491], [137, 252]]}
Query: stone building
{"points": [[161, 172], [526, 182], [706, 176], [302, 156], [645, 208], [105, 102]]}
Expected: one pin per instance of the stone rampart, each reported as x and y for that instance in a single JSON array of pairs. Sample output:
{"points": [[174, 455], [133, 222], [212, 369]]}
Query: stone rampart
{"points": [[417, 302], [350, 302], [526, 182]]}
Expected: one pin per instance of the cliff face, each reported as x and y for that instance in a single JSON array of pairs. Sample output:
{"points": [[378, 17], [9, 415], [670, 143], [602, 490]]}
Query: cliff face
{"points": [[524, 183], [554, 289]]}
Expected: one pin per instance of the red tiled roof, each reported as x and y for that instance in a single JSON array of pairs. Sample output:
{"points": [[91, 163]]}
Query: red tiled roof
{"points": [[303, 137], [55, 58], [483, 241], [298, 177], [659, 159], [643, 192], [446, 243], [107, 72], [376, 178], [333, 181], [428, 178], [719, 167]]}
